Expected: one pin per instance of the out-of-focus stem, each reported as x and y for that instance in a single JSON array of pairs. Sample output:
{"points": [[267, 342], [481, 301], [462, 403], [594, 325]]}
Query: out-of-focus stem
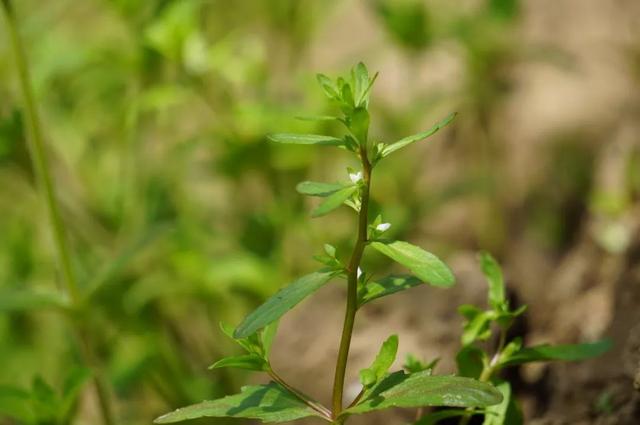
{"points": [[40, 163]]}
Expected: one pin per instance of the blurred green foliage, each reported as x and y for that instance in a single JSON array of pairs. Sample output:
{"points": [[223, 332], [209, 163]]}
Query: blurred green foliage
{"points": [[180, 215]]}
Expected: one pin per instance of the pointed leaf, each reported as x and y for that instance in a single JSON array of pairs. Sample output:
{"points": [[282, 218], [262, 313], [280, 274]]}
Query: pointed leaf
{"points": [[318, 188], [423, 264], [492, 271], [383, 361], [283, 301], [499, 413], [360, 76], [334, 201], [423, 389], [386, 286], [305, 139], [416, 137], [470, 361], [268, 403], [246, 361], [477, 327], [268, 335], [568, 352], [328, 86]]}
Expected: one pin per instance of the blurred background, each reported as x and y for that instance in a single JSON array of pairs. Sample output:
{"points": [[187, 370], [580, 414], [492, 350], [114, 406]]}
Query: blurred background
{"points": [[180, 215]]}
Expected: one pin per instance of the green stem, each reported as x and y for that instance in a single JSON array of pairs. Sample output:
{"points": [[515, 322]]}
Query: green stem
{"points": [[40, 163], [352, 289], [306, 399]]}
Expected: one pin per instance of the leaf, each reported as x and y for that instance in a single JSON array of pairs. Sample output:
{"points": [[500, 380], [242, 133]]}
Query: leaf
{"points": [[268, 403], [567, 352], [423, 264], [29, 299], [246, 361], [423, 389], [328, 86], [359, 125], [252, 343], [477, 327], [333, 201], [360, 76], [16, 404], [416, 137], [305, 139], [497, 414], [470, 361], [318, 188], [317, 118], [74, 383], [386, 286], [492, 271], [383, 361], [283, 301], [267, 336]]}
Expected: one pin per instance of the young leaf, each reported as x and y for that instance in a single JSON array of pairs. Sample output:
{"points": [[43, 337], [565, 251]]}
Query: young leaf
{"points": [[499, 414], [305, 139], [252, 344], [267, 336], [268, 403], [246, 361], [359, 125], [492, 271], [328, 86], [388, 149], [423, 264], [423, 389], [386, 286], [333, 201], [477, 327], [568, 352], [383, 361], [413, 365], [318, 189], [470, 361], [283, 301], [360, 76]]}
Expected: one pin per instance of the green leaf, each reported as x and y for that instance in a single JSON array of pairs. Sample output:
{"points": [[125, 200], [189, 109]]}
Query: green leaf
{"points": [[360, 76], [423, 264], [416, 137], [317, 118], [470, 361], [73, 385], [246, 361], [413, 365], [283, 301], [477, 327], [386, 286], [568, 352], [498, 413], [333, 201], [328, 86], [305, 139], [383, 361], [359, 125], [16, 404], [268, 403], [492, 271], [268, 335], [423, 389], [318, 188], [28, 299], [252, 343]]}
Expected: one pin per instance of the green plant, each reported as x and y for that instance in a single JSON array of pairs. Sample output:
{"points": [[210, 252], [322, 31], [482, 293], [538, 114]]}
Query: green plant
{"points": [[494, 324], [278, 401]]}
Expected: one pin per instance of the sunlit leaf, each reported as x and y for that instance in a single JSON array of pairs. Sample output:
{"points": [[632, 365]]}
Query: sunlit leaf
{"points": [[334, 200], [305, 139], [423, 389], [423, 264], [567, 352], [283, 301], [386, 286], [492, 271], [318, 188], [383, 361], [246, 361], [388, 149], [268, 403]]}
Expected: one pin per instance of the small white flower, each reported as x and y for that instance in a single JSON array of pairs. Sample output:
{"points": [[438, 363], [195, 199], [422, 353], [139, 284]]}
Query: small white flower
{"points": [[359, 273], [355, 177], [383, 227]]}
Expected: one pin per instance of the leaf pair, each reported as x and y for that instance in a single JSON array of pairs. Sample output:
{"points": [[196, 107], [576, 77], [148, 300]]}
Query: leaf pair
{"points": [[335, 195]]}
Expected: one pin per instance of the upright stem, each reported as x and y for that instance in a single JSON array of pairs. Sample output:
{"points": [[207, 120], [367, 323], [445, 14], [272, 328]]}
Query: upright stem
{"points": [[352, 288], [40, 163]]}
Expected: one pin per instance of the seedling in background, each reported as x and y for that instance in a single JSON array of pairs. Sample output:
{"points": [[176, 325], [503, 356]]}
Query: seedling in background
{"points": [[475, 362], [278, 401]]}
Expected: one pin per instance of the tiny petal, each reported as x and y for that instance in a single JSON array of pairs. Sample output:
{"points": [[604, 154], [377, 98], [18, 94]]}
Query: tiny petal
{"points": [[383, 227], [355, 177], [359, 272]]}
